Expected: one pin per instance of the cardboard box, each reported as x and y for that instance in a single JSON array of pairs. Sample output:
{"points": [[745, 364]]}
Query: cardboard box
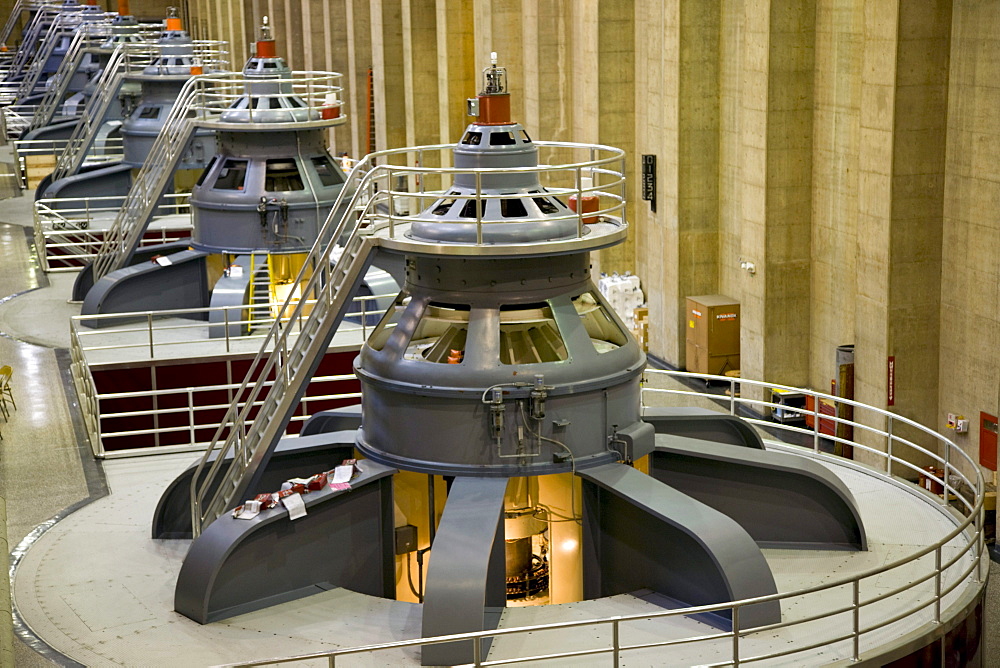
{"points": [[700, 361], [713, 334]]}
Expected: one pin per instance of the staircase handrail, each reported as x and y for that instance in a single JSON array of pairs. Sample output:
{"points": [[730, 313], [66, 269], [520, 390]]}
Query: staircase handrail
{"points": [[230, 435], [108, 86], [90, 36], [128, 59], [47, 45], [15, 14], [149, 183], [31, 32], [12, 19]]}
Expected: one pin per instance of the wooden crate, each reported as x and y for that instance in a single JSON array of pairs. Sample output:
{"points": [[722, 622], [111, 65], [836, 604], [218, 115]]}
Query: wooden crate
{"points": [[37, 166]]}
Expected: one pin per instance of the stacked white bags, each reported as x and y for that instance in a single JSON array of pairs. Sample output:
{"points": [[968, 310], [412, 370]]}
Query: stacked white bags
{"points": [[624, 293]]}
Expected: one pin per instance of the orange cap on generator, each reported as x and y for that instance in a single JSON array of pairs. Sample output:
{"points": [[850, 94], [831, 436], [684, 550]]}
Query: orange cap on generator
{"points": [[173, 20], [266, 47]]}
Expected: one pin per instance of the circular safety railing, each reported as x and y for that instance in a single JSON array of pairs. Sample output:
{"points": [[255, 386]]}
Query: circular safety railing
{"points": [[234, 99], [209, 54], [954, 578], [406, 182]]}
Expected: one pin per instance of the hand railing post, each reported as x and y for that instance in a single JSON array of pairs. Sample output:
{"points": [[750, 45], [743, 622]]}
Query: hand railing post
{"points": [[979, 545], [816, 426], [888, 444], [857, 621], [937, 584], [946, 474], [736, 636], [479, 211], [190, 393], [579, 203], [149, 326], [364, 319], [616, 641]]}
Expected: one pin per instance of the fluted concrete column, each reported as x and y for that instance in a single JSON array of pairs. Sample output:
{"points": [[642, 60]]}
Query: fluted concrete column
{"points": [[612, 103], [420, 82], [389, 81], [585, 69], [766, 146], [836, 144], [499, 26], [220, 26], [146, 9], [199, 18], [901, 163], [970, 299], [457, 75], [331, 45], [357, 21], [676, 93], [657, 59], [548, 74]]}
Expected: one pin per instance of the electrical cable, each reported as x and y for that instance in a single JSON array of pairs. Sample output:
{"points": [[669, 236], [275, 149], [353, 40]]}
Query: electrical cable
{"points": [[409, 576], [491, 387], [572, 461]]}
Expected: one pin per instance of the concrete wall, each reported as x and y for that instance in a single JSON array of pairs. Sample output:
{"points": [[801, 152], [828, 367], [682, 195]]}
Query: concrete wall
{"points": [[847, 148], [970, 277]]}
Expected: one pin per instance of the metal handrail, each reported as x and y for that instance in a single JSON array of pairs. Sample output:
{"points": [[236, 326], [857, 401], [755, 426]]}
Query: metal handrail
{"points": [[606, 166], [112, 150], [63, 26], [17, 117], [87, 38], [320, 91], [359, 192], [90, 398], [67, 237], [129, 59], [971, 548], [153, 322], [15, 15], [192, 408], [32, 39], [203, 101]]}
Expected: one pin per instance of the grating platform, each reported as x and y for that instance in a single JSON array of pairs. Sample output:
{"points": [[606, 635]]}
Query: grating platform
{"points": [[96, 588]]}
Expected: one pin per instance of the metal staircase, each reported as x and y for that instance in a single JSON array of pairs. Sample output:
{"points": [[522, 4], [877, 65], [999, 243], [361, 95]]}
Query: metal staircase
{"points": [[61, 27], [289, 360], [12, 19], [27, 58], [88, 37], [150, 185], [259, 315], [15, 15], [78, 146]]}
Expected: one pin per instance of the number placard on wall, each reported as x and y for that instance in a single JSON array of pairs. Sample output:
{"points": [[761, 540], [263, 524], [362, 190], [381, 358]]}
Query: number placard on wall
{"points": [[649, 180]]}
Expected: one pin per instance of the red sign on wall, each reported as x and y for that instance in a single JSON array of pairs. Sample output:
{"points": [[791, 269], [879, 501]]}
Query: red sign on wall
{"points": [[891, 384], [988, 440]]}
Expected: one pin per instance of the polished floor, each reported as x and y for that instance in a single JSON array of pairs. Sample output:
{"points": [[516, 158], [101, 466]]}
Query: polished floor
{"points": [[47, 473]]}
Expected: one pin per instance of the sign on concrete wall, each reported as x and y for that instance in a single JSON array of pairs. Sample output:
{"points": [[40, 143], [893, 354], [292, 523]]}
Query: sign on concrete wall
{"points": [[649, 180]]}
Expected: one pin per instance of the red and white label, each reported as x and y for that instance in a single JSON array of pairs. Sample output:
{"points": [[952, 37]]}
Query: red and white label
{"points": [[891, 382]]}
